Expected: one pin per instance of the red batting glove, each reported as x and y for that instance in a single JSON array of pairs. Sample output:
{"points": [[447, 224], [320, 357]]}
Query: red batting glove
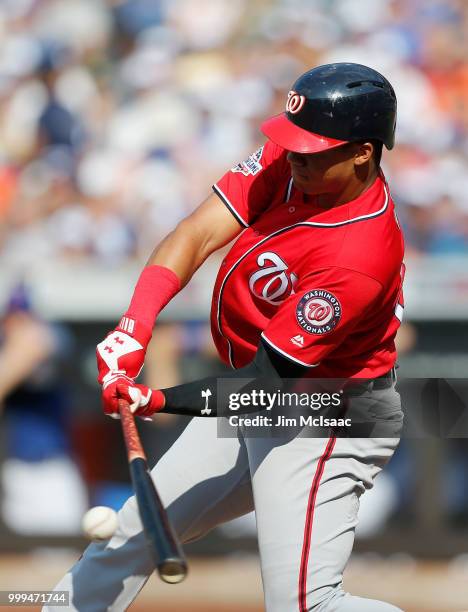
{"points": [[110, 394], [122, 354], [123, 350], [143, 400]]}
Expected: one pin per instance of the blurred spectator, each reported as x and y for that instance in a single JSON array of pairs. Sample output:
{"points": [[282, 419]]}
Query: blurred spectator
{"points": [[116, 115], [41, 488]]}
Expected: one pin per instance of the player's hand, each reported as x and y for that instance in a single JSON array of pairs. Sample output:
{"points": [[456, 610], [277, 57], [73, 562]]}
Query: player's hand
{"points": [[110, 394], [122, 352], [143, 400]]}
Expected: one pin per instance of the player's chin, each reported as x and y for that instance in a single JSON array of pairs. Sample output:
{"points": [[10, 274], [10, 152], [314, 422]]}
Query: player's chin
{"points": [[306, 184]]}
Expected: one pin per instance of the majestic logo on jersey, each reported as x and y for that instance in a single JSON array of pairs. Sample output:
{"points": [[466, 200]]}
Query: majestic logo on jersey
{"points": [[298, 340], [251, 165], [318, 311], [272, 283], [295, 102]]}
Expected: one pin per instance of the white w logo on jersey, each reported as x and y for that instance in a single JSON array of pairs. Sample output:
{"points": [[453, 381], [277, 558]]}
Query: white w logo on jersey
{"points": [[279, 286]]}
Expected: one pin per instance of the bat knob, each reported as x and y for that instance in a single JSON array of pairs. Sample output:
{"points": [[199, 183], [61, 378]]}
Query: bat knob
{"points": [[172, 571]]}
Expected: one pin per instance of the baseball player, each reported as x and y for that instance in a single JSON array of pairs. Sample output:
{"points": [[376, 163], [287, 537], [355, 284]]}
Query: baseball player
{"points": [[312, 287]]}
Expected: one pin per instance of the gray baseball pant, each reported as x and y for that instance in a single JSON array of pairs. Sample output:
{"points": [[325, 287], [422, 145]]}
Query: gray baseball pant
{"points": [[305, 493]]}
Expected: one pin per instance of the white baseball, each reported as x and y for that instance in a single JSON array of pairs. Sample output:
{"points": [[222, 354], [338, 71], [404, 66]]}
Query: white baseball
{"points": [[99, 523]]}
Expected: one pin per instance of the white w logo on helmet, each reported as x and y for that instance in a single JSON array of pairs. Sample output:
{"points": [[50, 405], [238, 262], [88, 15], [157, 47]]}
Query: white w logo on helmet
{"points": [[294, 102]]}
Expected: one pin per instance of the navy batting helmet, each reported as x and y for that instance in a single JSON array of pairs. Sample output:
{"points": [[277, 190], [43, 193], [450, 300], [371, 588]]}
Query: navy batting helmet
{"points": [[334, 104]]}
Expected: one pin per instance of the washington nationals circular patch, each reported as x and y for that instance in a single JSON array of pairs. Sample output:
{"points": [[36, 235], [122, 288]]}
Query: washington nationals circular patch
{"points": [[318, 311]]}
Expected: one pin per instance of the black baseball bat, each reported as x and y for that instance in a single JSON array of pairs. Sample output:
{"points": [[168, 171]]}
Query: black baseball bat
{"points": [[164, 546]]}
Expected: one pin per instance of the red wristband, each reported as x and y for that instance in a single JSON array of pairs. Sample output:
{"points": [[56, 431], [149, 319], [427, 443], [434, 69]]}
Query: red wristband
{"points": [[156, 286]]}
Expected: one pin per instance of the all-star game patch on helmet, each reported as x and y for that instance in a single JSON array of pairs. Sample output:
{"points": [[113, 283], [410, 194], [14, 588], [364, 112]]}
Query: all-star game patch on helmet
{"points": [[334, 104]]}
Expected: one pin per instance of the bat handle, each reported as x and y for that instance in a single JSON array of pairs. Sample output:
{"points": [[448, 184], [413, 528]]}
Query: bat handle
{"points": [[130, 432]]}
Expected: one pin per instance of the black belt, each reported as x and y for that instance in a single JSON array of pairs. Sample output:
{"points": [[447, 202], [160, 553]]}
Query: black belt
{"points": [[385, 381]]}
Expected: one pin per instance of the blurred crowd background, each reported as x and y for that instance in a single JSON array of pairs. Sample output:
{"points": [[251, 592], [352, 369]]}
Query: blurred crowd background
{"points": [[116, 116]]}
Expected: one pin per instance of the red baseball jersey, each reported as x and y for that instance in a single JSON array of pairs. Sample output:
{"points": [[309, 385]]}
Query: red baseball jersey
{"points": [[323, 287]]}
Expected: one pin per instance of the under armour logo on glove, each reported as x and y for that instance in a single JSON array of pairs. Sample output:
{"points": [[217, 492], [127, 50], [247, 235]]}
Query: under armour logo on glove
{"points": [[119, 352], [116, 345]]}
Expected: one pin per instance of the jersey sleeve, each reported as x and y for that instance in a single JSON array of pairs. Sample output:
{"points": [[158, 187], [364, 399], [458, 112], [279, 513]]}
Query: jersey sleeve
{"points": [[323, 311], [247, 189]]}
